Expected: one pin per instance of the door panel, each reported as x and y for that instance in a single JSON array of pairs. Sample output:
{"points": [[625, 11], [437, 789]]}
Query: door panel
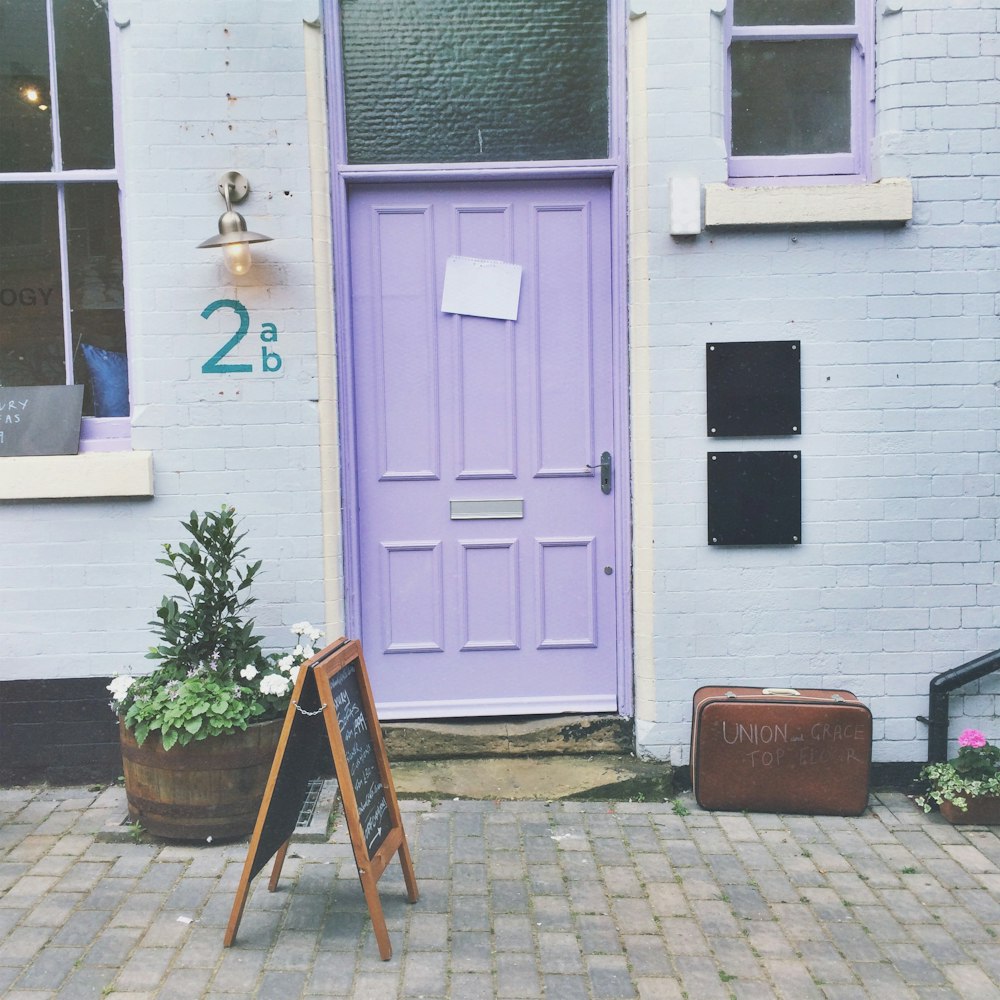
{"points": [[487, 564]]}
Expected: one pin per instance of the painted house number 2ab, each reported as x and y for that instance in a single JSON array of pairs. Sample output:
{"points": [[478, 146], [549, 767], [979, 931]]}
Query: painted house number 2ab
{"points": [[270, 361]]}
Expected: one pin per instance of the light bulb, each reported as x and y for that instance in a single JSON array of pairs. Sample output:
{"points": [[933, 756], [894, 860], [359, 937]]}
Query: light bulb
{"points": [[236, 257]]}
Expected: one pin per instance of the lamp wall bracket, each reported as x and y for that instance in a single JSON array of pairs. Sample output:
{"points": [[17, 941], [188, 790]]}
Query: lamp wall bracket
{"points": [[233, 187]]}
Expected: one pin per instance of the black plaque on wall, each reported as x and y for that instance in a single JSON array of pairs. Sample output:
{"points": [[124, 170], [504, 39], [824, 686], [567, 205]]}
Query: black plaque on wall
{"points": [[754, 498], [753, 389]]}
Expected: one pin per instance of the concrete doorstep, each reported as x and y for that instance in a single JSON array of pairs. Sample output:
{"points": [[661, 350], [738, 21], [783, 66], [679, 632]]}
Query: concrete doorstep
{"points": [[547, 759]]}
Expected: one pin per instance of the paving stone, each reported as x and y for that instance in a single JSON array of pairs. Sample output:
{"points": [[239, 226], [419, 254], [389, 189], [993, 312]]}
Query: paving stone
{"points": [[702, 978], [552, 913], [517, 976], [473, 986], [81, 928], [633, 916], [559, 952], [49, 970], [88, 983], [145, 969], [609, 977], [659, 988], [471, 951], [647, 955], [239, 971], [594, 901], [332, 974], [468, 912], [51, 910], [22, 944], [424, 974], [684, 936], [512, 933]]}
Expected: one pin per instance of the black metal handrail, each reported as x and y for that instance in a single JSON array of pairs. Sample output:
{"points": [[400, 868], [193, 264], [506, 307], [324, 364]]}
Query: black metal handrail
{"points": [[938, 694]]}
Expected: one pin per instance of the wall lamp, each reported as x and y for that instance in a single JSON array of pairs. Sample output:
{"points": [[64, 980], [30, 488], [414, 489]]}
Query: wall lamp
{"points": [[234, 237]]}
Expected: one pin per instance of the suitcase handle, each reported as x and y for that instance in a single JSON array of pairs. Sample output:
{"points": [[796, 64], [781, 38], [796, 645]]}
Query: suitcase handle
{"points": [[790, 692]]}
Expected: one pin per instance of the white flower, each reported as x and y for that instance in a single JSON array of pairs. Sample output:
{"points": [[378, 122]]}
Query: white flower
{"points": [[299, 628], [303, 651], [275, 684], [314, 635], [119, 686], [249, 672], [286, 663]]}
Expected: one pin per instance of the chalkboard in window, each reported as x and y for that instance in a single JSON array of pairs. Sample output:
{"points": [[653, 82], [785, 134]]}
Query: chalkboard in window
{"points": [[40, 419], [332, 703]]}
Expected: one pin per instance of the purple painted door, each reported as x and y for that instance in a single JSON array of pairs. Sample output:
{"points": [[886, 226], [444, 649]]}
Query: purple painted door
{"points": [[487, 545]]}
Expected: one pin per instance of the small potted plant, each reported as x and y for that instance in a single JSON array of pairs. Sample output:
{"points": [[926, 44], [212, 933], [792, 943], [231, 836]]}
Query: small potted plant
{"points": [[967, 787], [198, 734]]}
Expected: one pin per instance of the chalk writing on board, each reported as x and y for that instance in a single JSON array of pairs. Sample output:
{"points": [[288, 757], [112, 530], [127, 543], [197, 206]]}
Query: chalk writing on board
{"points": [[369, 792], [40, 419], [770, 745]]}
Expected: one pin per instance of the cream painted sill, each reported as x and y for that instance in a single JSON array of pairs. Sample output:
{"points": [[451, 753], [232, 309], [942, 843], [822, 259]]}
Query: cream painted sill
{"points": [[887, 201], [95, 474]]}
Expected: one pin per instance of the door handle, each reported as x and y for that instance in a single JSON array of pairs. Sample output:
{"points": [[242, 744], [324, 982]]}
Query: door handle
{"points": [[605, 468]]}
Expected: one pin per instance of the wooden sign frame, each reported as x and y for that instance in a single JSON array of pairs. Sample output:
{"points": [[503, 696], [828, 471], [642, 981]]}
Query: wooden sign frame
{"points": [[332, 698]]}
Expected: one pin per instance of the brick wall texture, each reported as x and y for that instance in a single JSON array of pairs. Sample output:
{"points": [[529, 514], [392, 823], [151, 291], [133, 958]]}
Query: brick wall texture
{"points": [[895, 579]]}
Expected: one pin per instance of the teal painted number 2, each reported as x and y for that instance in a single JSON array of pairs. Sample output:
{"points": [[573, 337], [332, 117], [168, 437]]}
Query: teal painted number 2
{"points": [[270, 360]]}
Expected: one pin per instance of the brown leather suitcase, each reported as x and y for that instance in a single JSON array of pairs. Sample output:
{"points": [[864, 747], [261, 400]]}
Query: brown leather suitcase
{"points": [[780, 750]]}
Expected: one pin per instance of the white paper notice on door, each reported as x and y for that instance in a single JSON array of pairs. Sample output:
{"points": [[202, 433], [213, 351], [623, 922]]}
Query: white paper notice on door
{"points": [[475, 287]]}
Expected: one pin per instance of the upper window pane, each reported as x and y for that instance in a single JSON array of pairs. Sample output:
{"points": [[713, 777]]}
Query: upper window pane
{"points": [[793, 12], [791, 97], [84, 61], [25, 104], [475, 80]]}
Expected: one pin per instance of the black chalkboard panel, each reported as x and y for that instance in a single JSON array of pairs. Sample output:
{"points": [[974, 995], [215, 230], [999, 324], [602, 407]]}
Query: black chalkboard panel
{"points": [[753, 389], [366, 780], [754, 498], [298, 765], [40, 419]]}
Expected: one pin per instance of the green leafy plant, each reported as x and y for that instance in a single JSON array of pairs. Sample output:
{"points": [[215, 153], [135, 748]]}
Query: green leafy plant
{"points": [[212, 677], [973, 773]]}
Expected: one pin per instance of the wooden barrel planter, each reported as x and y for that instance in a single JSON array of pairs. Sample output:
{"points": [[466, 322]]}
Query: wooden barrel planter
{"points": [[209, 788], [983, 810]]}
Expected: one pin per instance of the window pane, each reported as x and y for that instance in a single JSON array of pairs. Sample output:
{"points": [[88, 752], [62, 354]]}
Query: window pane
{"points": [[475, 80], [25, 105], [791, 97], [84, 70], [793, 11], [96, 298], [31, 326]]}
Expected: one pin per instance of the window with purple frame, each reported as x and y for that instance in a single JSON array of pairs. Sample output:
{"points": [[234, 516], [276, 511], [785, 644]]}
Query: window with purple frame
{"points": [[798, 89], [62, 316]]}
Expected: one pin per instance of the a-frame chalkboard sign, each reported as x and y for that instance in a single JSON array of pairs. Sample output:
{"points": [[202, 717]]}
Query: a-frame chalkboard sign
{"points": [[332, 701]]}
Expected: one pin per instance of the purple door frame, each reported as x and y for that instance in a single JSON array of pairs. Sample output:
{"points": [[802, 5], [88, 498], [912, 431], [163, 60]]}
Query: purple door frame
{"points": [[343, 175]]}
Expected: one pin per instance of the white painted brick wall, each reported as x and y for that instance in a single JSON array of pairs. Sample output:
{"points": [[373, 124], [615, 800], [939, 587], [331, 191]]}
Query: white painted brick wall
{"points": [[203, 88], [895, 580]]}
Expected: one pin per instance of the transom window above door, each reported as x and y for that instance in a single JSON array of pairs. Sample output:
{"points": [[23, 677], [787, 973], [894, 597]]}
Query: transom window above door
{"points": [[475, 81]]}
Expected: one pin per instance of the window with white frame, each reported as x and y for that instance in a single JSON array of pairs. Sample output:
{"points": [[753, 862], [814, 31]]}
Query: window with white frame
{"points": [[798, 89], [62, 318]]}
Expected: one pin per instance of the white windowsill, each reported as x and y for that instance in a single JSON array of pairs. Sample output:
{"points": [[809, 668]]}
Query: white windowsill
{"points": [[58, 477], [886, 201]]}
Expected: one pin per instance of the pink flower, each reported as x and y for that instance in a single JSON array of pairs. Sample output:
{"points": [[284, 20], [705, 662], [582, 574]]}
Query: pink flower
{"points": [[972, 738]]}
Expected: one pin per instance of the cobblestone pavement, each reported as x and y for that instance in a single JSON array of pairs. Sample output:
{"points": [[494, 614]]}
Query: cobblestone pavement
{"points": [[517, 900]]}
